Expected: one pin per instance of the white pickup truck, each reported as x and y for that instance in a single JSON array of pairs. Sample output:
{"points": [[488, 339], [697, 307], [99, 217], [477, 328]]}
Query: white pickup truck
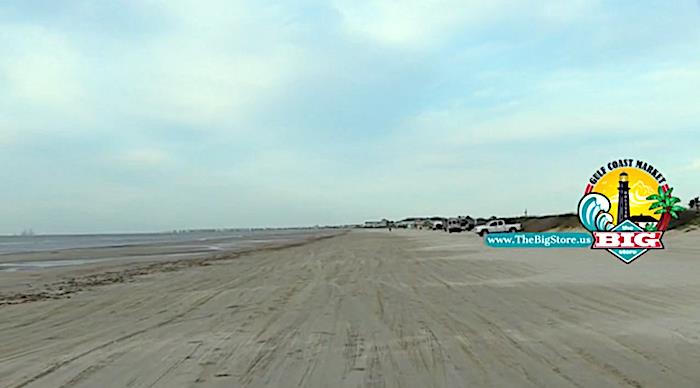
{"points": [[497, 226]]}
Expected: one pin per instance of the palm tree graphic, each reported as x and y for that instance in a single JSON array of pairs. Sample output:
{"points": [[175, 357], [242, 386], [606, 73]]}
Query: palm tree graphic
{"points": [[665, 203]]}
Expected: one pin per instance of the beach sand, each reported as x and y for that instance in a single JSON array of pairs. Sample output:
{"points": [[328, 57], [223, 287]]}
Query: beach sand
{"points": [[371, 309]]}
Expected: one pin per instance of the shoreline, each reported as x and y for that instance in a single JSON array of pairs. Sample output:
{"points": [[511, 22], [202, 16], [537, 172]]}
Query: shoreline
{"points": [[58, 282]]}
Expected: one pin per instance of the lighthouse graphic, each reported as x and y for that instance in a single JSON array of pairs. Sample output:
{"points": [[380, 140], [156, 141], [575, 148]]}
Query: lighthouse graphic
{"points": [[623, 199]]}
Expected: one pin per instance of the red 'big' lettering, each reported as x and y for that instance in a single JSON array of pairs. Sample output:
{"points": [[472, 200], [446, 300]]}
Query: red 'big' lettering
{"points": [[645, 240]]}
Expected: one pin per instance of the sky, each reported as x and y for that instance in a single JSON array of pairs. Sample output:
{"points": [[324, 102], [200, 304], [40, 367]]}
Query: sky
{"points": [[144, 115]]}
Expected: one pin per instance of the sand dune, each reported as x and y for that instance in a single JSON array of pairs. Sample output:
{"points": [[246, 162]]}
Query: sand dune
{"points": [[374, 309]]}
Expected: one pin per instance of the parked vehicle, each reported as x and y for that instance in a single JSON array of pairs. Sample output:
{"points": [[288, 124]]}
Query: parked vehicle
{"points": [[467, 223], [454, 225], [497, 226]]}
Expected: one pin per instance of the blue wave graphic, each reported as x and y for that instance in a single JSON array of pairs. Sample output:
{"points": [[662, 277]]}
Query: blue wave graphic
{"points": [[593, 212]]}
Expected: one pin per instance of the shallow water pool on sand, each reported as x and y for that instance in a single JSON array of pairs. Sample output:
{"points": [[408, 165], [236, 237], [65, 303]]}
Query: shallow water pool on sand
{"points": [[37, 265]]}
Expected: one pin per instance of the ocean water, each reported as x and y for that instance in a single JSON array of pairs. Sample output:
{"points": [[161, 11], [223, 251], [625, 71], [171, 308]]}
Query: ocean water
{"points": [[20, 253]]}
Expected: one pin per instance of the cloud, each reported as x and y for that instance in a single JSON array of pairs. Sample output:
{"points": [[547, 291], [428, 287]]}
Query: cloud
{"points": [[421, 23], [215, 64], [41, 71], [694, 165], [278, 113], [564, 104], [213, 89], [144, 157], [409, 23], [205, 67]]}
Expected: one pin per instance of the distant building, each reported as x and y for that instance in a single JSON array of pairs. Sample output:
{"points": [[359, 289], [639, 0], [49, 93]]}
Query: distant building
{"points": [[377, 224], [643, 220], [405, 224], [412, 223]]}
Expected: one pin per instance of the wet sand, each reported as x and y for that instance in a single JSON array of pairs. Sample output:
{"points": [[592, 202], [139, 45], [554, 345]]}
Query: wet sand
{"points": [[373, 309], [56, 273]]}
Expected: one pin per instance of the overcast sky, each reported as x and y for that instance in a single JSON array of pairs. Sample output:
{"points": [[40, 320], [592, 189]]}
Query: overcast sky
{"points": [[156, 115]]}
